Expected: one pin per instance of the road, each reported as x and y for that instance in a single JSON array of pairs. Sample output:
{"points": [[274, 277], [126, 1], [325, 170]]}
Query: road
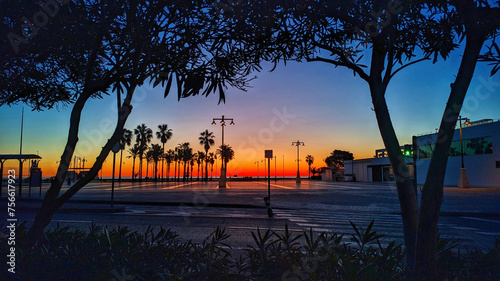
{"points": [[194, 209]]}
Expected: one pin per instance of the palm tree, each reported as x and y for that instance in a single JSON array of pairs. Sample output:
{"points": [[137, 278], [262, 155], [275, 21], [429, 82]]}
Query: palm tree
{"points": [[134, 152], [226, 153], [149, 159], [164, 134], [211, 159], [143, 136], [125, 141], [155, 152], [201, 157], [191, 162], [169, 157], [314, 171], [207, 140], [186, 154], [309, 161], [176, 159]]}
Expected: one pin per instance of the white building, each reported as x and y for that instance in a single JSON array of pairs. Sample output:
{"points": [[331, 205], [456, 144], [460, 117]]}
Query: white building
{"points": [[481, 149]]}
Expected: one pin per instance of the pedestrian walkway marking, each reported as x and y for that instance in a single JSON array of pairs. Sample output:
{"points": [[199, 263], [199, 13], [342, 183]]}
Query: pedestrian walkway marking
{"points": [[479, 219], [489, 233], [175, 186], [277, 185]]}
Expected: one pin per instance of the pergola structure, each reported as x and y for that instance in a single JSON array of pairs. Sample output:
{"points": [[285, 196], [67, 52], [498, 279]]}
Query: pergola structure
{"points": [[21, 158]]}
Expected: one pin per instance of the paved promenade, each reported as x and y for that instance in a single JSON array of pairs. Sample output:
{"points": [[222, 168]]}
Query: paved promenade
{"points": [[471, 216]]}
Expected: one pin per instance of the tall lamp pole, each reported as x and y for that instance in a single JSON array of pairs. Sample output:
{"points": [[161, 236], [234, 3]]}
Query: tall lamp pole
{"points": [[222, 178], [257, 162], [463, 181], [275, 179], [298, 144]]}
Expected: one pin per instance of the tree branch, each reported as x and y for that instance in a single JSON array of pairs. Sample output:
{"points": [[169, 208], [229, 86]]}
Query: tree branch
{"points": [[352, 66], [408, 64]]}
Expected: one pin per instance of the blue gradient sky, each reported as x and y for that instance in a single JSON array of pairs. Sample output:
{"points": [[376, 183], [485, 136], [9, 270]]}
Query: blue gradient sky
{"points": [[327, 108]]}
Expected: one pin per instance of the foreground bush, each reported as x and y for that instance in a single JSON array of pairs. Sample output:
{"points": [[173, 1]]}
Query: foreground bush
{"points": [[121, 254]]}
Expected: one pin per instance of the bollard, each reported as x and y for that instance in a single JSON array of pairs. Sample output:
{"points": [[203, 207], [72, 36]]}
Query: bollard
{"points": [[268, 206]]}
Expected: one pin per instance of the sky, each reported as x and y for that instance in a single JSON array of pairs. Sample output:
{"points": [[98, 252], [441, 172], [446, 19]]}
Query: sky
{"points": [[325, 107]]}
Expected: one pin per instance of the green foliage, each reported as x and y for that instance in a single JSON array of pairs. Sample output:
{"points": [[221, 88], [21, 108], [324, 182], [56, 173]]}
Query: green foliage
{"points": [[337, 157], [122, 254]]}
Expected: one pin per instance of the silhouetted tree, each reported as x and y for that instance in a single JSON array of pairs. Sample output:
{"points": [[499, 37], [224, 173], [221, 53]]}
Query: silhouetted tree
{"points": [[200, 157], [309, 161], [169, 157], [164, 134], [337, 157], [134, 152], [155, 152], [207, 140], [92, 48], [226, 153], [388, 36], [125, 141], [143, 136], [211, 159]]}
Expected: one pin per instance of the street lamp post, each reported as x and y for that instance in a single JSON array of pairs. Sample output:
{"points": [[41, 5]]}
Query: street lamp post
{"points": [[222, 178], [298, 144], [463, 181], [275, 179]]}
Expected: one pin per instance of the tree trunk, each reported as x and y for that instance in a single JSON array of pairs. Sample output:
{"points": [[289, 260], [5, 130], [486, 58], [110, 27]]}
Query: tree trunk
{"points": [[408, 202], [206, 166], [51, 202], [156, 170], [162, 160], [133, 169], [140, 167], [432, 192], [406, 193], [120, 170], [168, 171]]}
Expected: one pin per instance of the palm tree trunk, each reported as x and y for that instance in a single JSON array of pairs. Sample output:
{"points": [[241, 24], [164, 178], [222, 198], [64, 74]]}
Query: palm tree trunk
{"points": [[168, 171], [184, 172], [133, 169], [162, 160], [140, 167], [175, 170], [120, 169], [206, 166]]}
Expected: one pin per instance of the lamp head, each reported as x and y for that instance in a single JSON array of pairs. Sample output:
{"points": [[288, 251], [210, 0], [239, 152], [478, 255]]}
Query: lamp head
{"points": [[213, 123], [232, 123], [467, 122]]}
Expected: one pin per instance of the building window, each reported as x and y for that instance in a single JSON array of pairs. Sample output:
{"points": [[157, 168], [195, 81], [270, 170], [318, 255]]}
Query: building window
{"points": [[475, 146], [498, 164]]}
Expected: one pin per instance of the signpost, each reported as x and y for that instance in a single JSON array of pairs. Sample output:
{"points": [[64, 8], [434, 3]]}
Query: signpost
{"points": [[115, 150], [267, 200]]}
